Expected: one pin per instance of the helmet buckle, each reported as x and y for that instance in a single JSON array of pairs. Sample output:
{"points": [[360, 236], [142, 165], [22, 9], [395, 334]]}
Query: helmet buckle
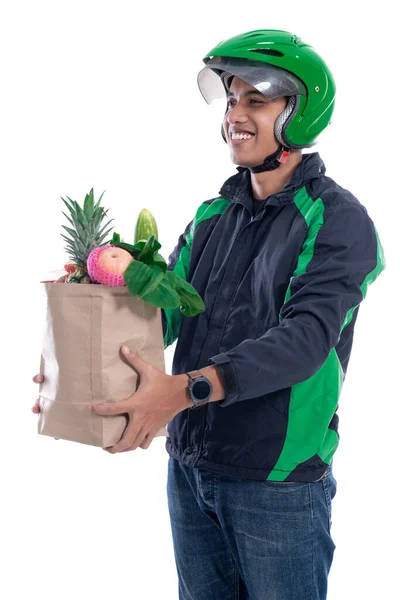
{"points": [[284, 156]]}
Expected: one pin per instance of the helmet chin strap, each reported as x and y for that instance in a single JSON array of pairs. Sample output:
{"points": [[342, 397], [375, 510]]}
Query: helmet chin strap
{"points": [[273, 161], [278, 158]]}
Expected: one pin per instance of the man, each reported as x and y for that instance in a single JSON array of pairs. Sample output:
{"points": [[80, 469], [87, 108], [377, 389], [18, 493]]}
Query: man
{"points": [[282, 258]]}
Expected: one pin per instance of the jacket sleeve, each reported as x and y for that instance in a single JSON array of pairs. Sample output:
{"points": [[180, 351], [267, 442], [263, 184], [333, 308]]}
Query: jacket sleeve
{"points": [[347, 257], [179, 262]]}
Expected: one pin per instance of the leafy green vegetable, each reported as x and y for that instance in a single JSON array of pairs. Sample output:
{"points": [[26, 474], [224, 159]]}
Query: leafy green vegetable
{"points": [[141, 279], [148, 278], [191, 302], [163, 295], [134, 250]]}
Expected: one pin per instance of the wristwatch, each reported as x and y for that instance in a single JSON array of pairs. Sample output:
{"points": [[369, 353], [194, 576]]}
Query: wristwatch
{"points": [[199, 388]]}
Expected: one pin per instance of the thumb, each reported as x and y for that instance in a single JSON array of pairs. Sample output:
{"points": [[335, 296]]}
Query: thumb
{"points": [[133, 358]]}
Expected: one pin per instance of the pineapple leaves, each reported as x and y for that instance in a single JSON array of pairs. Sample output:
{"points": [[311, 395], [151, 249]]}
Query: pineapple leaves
{"points": [[71, 232], [87, 230], [101, 231], [70, 220], [98, 218], [70, 208], [97, 209], [100, 240], [88, 205], [81, 215]]}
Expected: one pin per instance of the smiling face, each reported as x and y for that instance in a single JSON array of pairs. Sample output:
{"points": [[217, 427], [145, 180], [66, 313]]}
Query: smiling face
{"points": [[249, 124]]}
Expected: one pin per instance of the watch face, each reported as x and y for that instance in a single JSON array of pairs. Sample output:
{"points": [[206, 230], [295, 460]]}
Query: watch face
{"points": [[201, 389]]}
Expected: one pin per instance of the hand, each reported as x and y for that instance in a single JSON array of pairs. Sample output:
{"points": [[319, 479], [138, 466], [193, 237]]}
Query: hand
{"points": [[36, 407], [157, 400]]}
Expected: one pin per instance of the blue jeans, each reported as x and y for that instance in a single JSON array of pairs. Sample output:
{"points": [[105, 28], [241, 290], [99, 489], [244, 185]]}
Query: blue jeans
{"points": [[238, 539]]}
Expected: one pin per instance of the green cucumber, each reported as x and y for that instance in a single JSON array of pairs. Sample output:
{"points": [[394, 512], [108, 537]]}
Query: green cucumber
{"points": [[146, 226]]}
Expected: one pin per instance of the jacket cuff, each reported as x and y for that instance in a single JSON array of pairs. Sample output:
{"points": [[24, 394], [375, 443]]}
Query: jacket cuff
{"points": [[228, 374]]}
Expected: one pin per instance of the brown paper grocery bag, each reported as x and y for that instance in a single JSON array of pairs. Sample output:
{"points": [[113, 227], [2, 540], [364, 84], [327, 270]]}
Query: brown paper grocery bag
{"points": [[85, 326]]}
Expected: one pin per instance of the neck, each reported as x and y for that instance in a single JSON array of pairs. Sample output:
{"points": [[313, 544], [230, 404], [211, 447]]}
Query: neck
{"points": [[271, 182]]}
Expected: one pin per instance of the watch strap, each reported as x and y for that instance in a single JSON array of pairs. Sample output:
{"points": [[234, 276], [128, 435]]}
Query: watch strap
{"points": [[194, 374]]}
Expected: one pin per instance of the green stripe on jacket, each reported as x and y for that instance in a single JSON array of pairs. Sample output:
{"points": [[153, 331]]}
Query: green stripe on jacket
{"points": [[182, 265], [313, 402]]}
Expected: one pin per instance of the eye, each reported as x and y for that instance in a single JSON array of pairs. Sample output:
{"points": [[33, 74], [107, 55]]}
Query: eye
{"points": [[231, 102]]}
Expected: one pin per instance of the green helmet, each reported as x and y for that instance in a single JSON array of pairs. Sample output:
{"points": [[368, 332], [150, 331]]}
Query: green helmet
{"points": [[277, 64]]}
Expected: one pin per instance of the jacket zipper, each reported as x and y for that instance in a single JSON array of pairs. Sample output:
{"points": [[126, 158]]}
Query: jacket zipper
{"points": [[253, 218]]}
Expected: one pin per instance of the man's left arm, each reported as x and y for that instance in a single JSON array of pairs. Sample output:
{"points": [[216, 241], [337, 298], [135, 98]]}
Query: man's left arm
{"points": [[326, 287]]}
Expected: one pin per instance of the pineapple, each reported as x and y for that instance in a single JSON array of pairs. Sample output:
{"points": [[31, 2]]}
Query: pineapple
{"points": [[86, 234]]}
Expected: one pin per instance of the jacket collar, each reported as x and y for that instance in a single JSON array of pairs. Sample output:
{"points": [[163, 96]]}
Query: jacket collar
{"points": [[238, 189]]}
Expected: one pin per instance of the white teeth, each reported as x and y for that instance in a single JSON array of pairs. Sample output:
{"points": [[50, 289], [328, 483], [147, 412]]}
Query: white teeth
{"points": [[241, 136]]}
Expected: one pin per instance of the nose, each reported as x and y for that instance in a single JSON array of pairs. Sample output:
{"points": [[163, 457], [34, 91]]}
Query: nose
{"points": [[236, 114]]}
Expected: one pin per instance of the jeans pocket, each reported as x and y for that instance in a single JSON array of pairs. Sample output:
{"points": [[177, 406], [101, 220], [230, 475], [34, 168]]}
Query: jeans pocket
{"points": [[285, 484], [328, 499]]}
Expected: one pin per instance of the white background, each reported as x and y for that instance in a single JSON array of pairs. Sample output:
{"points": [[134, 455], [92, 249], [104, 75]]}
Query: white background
{"points": [[104, 95]]}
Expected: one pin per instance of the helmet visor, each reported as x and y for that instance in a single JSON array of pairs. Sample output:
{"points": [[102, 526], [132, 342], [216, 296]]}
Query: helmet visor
{"points": [[214, 79]]}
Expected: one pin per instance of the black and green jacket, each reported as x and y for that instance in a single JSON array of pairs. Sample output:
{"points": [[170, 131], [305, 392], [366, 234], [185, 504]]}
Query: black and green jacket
{"points": [[282, 291]]}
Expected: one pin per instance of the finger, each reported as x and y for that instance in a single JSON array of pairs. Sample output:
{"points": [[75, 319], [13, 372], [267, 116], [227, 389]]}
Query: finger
{"points": [[144, 368], [136, 443], [143, 439], [38, 378], [36, 410], [111, 408], [36, 407], [146, 442], [134, 359], [127, 442], [122, 446]]}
